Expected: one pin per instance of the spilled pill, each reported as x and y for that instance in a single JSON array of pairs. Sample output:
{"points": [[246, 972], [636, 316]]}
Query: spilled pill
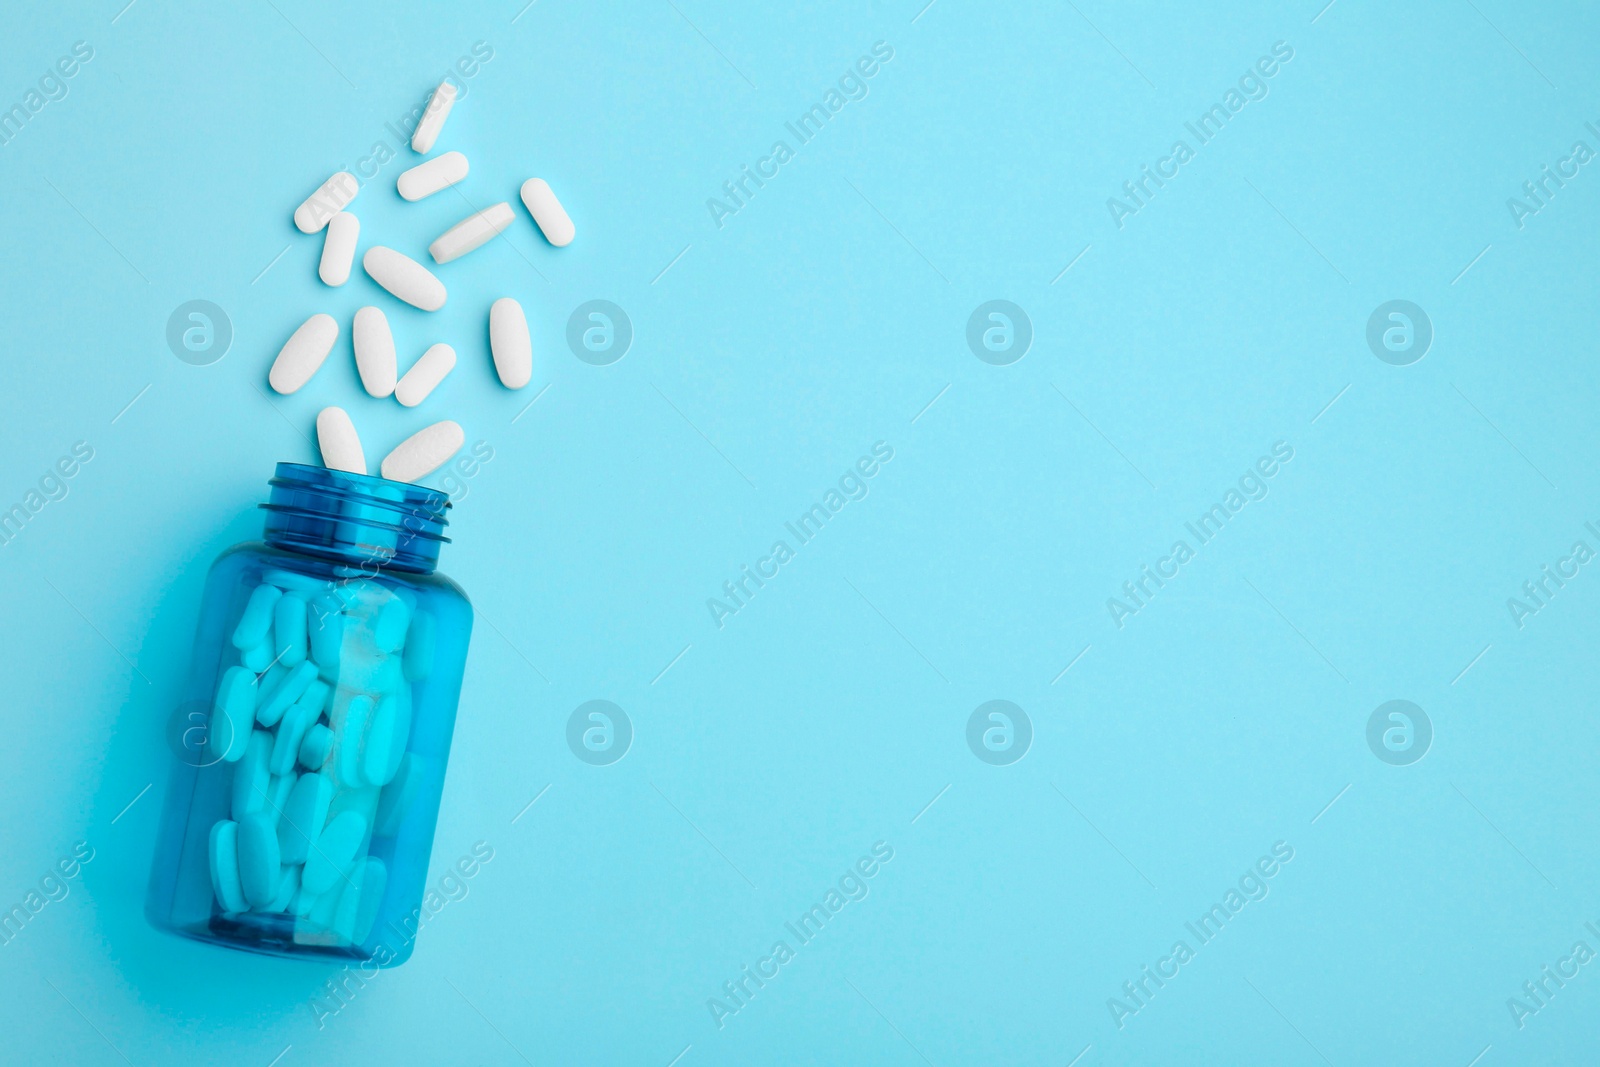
{"points": [[374, 346], [428, 178], [509, 343], [224, 854], [471, 232], [438, 109], [547, 212], [341, 451], [339, 248], [423, 452], [403, 277], [302, 354], [425, 374], [331, 197]]}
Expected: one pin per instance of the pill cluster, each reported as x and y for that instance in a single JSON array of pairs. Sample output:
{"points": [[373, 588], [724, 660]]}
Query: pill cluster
{"points": [[407, 280], [316, 716]]}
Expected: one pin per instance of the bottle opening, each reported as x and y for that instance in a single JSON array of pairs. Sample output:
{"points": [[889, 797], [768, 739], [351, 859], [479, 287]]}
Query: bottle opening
{"points": [[355, 518]]}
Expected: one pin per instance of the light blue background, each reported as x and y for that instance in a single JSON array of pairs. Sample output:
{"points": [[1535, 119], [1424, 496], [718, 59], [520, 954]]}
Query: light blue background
{"points": [[826, 715]]}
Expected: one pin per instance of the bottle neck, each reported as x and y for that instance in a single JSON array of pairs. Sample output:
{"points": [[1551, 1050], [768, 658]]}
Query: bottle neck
{"points": [[355, 519]]}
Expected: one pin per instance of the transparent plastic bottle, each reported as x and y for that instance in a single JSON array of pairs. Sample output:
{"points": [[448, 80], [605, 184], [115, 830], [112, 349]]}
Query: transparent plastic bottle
{"points": [[315, 726]]}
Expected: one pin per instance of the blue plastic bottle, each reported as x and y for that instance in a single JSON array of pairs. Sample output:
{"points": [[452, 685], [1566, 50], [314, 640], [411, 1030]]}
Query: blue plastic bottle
{"points": [[315, 727]]}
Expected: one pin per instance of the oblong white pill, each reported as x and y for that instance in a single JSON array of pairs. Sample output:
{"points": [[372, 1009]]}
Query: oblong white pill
{"points": [[331, 197], [404, 277], [336, 437], [425, 374], [547, 212], [374, 346], [438, 109], [423, 452], [302, 354], [339, 248], [471, 232], [509, 343], [428, 178]]}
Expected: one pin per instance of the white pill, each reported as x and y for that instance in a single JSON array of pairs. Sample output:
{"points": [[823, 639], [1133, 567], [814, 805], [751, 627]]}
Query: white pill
{"points": [[339, 248], [404, 277], [471, 232], [428, 178], [341, 448], [423, 452], [433, 117], [510, 344], [547, 212], [374, 346], [424, 375], [331, 197], [302, 354]]}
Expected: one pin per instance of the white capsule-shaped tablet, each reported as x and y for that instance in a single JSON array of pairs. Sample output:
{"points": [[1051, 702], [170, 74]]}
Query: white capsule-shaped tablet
{"points": [[302, 354], [509, 343], [404, 277], [425, 374], [547, 212], [423, 452], [428, 178], [341, 448], [339, 249], [374, 346], [438, 109], [331, 197], [471, 232]]}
